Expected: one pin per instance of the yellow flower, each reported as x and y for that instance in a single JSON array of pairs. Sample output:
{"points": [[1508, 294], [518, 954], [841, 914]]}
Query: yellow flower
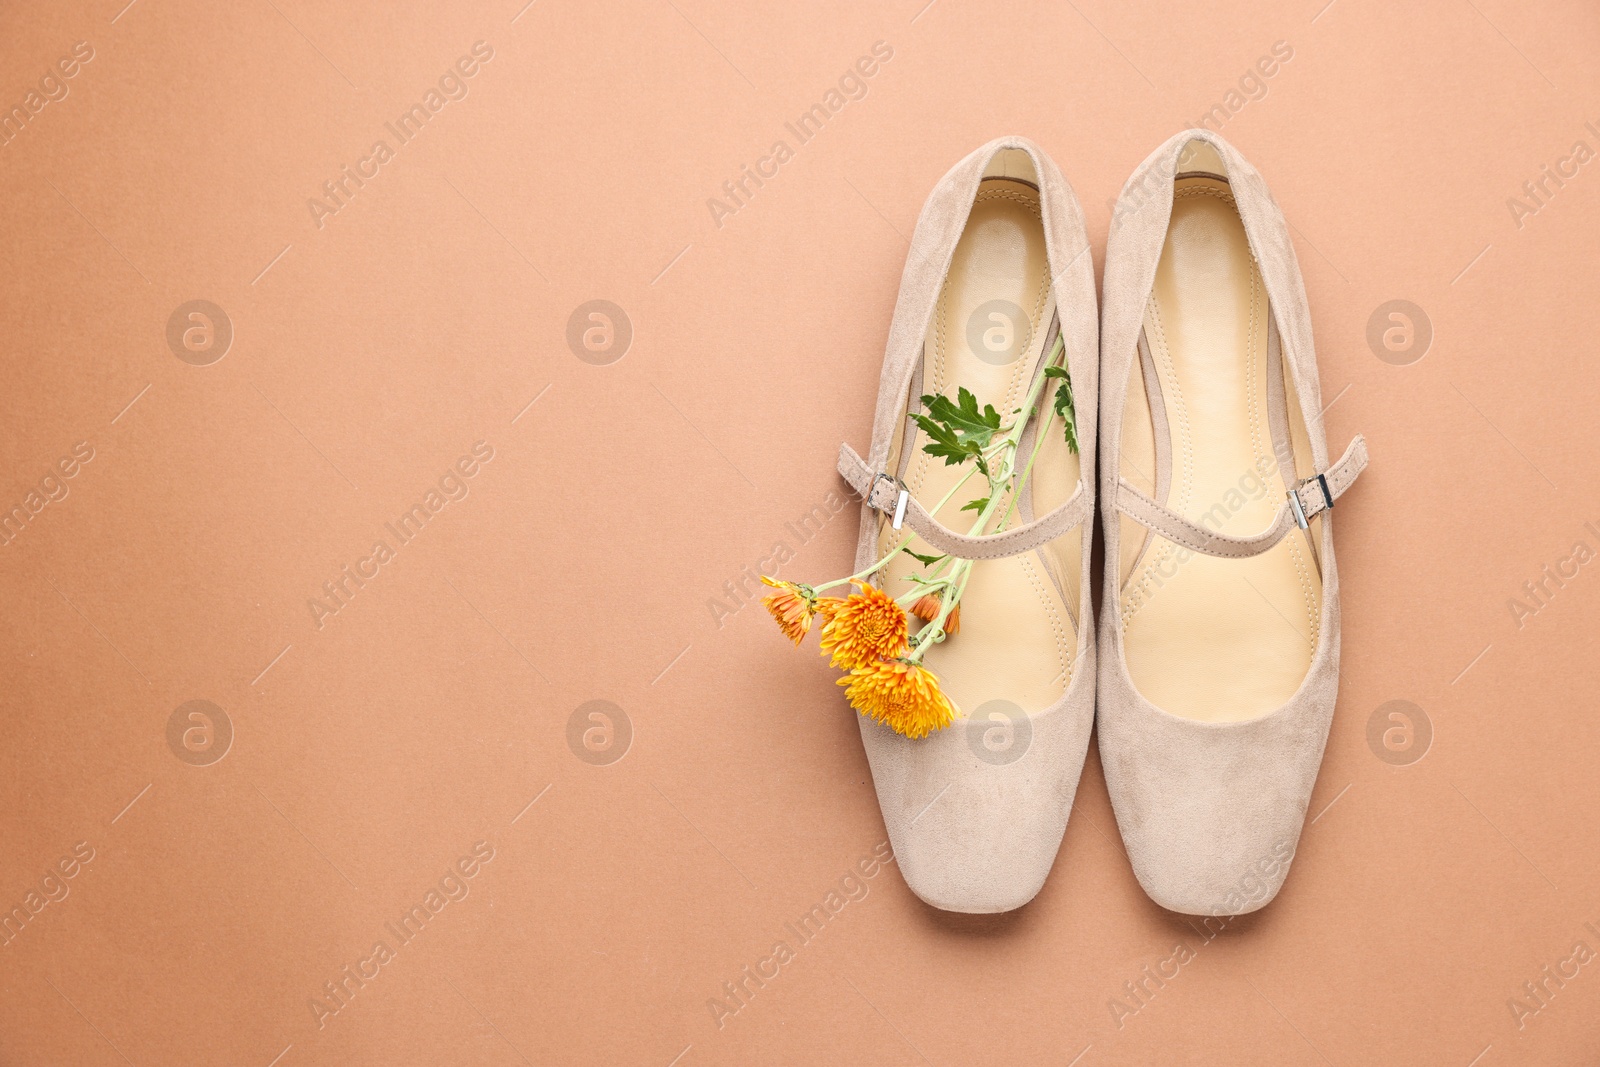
{"points": [[866, 627], [791, 607], [903, 696], [927, 609], [827, 607]]}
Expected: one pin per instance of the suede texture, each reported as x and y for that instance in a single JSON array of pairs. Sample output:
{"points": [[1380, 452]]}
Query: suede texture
{"points": [[1210, 813], [970, 835]]}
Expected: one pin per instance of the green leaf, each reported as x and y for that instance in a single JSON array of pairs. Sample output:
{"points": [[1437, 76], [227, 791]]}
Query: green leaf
{"points": [[963, 417], [975, 505], [1064, 406], [926, 561], [957, 431], [943, 442]]}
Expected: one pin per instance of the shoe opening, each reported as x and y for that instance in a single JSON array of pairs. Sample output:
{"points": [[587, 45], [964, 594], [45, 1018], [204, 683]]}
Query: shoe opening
{"points": [[1200, 159], [1012, 163]]}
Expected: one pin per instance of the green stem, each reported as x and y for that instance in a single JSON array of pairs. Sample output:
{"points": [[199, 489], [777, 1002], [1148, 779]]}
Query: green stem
{"points": [[1027, 470], [1011, 441], [905, 600], [933, 633], [904, 542], [1038, 443]]}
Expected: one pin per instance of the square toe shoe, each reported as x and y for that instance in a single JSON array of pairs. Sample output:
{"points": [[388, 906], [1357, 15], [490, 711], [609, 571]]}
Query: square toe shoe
{"points": [[999, 274], [1219, 626]]}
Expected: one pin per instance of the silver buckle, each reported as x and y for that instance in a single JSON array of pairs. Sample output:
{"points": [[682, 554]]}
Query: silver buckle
{"points": [[900, 501], [1322, 480], [1299, 511]]}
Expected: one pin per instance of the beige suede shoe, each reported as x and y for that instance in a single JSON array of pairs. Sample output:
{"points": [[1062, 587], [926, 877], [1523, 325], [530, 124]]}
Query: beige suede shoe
{"points": [[999, 268], [1219, 632]]}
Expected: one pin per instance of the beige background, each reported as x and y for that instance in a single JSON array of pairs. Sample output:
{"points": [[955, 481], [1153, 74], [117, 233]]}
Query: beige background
{"points": [[428, 313]]}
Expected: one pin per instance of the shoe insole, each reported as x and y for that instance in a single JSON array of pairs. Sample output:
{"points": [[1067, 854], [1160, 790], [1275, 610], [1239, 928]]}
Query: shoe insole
{"points": [[1209, 638], [1017, 634]]}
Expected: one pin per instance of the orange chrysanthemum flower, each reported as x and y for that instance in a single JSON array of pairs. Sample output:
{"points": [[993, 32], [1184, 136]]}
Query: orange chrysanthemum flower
{"points": [[903, 696], [867, 627], [927, 609], [792, 607]]}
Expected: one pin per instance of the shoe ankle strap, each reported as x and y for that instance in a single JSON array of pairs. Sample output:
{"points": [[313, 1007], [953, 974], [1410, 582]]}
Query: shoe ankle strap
{"points": [[887, 495], [1306, 501]]}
